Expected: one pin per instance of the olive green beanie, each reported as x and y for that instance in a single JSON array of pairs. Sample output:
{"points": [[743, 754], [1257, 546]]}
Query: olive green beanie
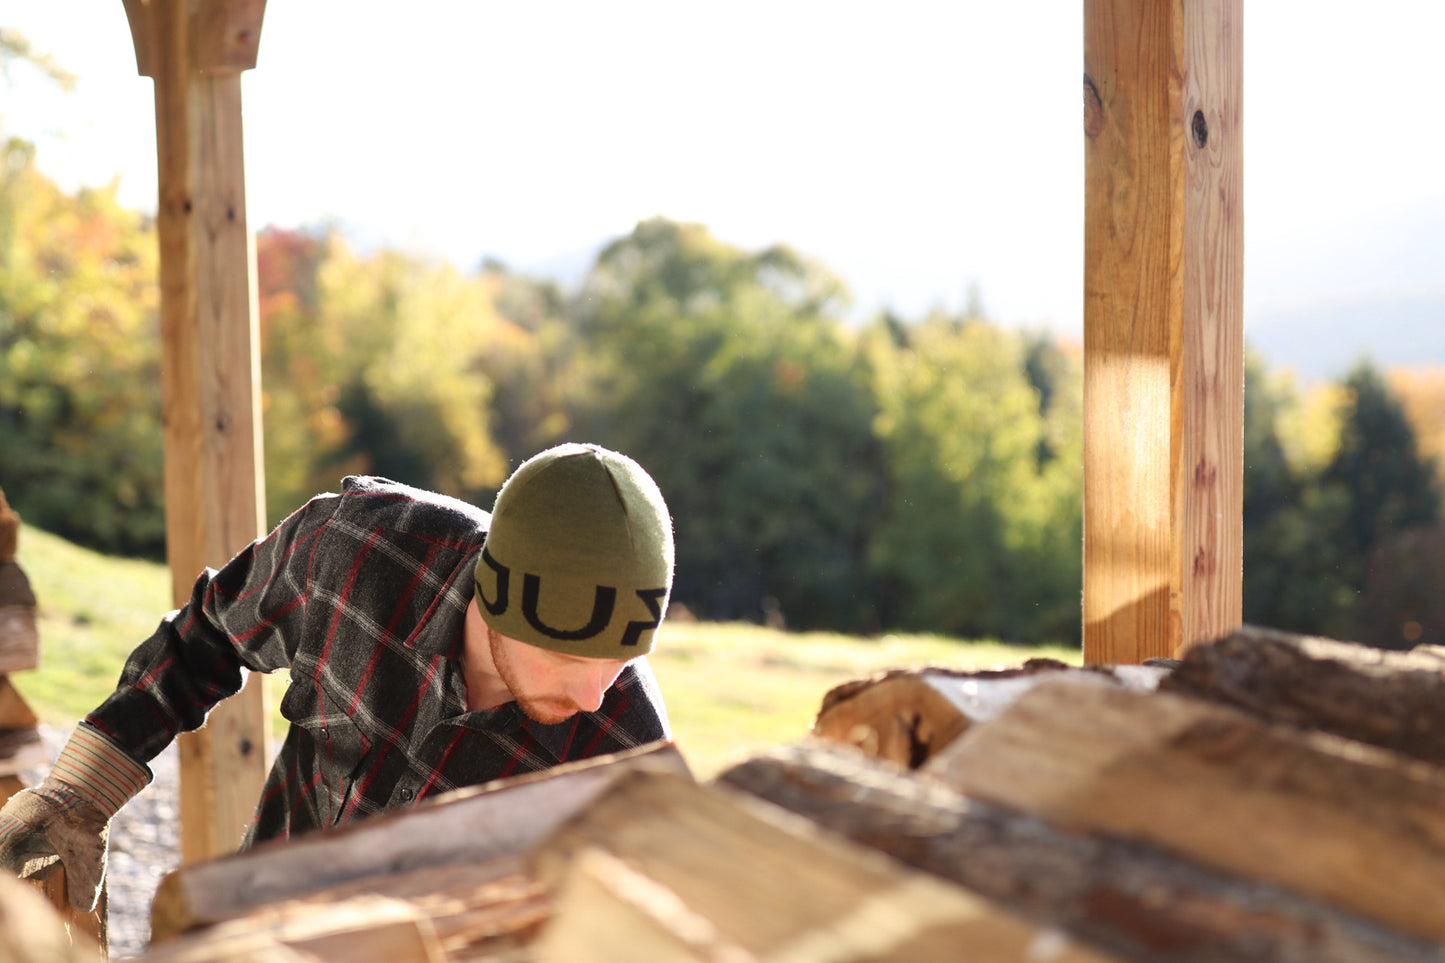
{"points": [[579, 555]]}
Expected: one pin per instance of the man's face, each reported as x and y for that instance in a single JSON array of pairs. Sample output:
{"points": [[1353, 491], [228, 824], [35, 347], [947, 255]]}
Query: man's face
{"points": [[548, 686]]}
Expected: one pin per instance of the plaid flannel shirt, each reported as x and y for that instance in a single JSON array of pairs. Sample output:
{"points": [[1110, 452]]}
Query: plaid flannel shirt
{"points": [[361, 595]]}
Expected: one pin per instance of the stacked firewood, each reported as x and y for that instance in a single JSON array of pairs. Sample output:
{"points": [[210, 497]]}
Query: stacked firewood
{"points": [[21, 747], [20, 744], [1266, 798]]}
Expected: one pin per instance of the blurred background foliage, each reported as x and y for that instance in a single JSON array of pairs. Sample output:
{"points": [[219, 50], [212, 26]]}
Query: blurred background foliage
{"points": [[906, 474]]}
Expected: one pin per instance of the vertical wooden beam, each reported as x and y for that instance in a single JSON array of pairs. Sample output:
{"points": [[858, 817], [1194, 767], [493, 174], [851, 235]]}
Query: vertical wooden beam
{"points": [[195, 50], [1163, 325]]}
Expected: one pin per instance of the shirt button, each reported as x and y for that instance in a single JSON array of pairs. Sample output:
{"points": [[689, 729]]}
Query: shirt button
{"points": [[405, 794], [323, 733]]}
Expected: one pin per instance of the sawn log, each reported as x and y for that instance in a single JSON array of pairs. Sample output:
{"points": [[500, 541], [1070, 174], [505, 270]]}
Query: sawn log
{"points": [[1351, 825], [1134, 898], [1395, 700], [474, 825], [906, 716], [725, 876]]}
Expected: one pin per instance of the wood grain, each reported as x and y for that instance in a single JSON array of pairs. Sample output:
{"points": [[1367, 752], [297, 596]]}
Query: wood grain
{"points": [[1209, 474], [210, 386], [771, 885], [1350, 825], [475, 825], [906, 716], [1163, 324], [363, 928], [32, 932], [19, 635], [9, 529], [1394, 700], [1134, 899]]}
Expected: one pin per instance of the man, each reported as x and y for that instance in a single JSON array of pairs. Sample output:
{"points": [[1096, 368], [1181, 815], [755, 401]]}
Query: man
{"points": [[430, 646]]}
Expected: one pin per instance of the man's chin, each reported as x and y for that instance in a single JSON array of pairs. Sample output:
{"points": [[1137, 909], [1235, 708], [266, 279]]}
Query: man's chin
{"points": [[547, 713]]}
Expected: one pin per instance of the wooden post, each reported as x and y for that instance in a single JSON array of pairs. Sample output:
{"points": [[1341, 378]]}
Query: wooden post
{"points": [[195, 52], [1163, 326]]}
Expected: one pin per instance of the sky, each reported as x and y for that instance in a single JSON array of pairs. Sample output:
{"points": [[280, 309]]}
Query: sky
{"points": [[922, 154]]}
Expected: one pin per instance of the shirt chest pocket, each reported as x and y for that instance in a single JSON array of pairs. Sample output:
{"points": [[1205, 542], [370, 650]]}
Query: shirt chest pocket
{"points": [[332, 748]]}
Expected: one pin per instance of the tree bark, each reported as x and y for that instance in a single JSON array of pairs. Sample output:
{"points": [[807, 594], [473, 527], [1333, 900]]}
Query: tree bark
{"points": [[1395, 700], [1348, 824], [1135, 899], [468, 826]]}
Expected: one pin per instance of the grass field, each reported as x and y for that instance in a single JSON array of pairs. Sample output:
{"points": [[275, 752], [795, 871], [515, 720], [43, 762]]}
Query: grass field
{"points": [[732, 689]]}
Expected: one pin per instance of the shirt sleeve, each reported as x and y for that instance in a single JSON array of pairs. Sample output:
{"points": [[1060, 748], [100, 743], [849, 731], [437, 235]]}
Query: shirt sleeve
{"points": [[248, 614]]}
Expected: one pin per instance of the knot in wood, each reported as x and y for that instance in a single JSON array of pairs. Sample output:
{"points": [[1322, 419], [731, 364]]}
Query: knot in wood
{"points": [[1093, 109], [1199, 127]]}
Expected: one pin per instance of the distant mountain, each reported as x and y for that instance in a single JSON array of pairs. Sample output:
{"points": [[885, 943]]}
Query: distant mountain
{"points": [[1317, 299], [1370, 284], [1323, 341]]}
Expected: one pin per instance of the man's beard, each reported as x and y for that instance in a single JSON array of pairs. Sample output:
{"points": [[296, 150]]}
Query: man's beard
{"points": [[547, 711]]}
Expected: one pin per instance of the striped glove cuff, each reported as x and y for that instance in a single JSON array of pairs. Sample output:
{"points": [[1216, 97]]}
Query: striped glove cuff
{"points": [[99, 771]]}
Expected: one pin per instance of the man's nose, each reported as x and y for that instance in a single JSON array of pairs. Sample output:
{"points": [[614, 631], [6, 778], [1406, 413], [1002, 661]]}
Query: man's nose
{"points": [[589, 686]]}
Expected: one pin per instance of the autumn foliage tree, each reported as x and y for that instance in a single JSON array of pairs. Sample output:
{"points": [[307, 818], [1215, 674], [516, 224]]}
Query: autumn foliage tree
{"points": [[80, 432], [372, 364]]}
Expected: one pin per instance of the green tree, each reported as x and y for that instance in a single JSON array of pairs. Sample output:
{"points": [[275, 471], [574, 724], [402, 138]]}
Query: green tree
{"points": [[1378, 462], [981, 527], [526, 360], [727, 375], [1317, 536], [79, 361], [1295, 576], [1391, 492]]}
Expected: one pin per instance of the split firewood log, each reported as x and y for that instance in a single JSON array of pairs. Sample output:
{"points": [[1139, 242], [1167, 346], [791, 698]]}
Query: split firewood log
{"points": [[908, 715], [1133, 898], [9, 529], [476, 825], [31, 931], [606, 906], [1351, 825], [364, 928], [19, 640], [477, 912], [1395, 700], [19, 637], [717, 875], [21, 747]]}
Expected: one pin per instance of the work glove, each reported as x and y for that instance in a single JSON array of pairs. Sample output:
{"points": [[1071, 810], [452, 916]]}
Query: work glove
{"points": [[66, 819]]}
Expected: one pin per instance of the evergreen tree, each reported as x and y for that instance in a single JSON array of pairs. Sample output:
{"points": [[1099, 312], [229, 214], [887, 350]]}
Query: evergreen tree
{"points": [[1391, 487], [1393, 495], [1316, 537]]}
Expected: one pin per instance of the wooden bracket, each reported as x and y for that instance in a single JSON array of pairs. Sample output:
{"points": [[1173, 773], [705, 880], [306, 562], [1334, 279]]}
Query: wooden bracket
{"points": [[225, 34], [141, 15]]}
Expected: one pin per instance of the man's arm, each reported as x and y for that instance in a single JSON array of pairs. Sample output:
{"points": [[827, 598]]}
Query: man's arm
{"points": [[244, 615], [248, 614]]}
